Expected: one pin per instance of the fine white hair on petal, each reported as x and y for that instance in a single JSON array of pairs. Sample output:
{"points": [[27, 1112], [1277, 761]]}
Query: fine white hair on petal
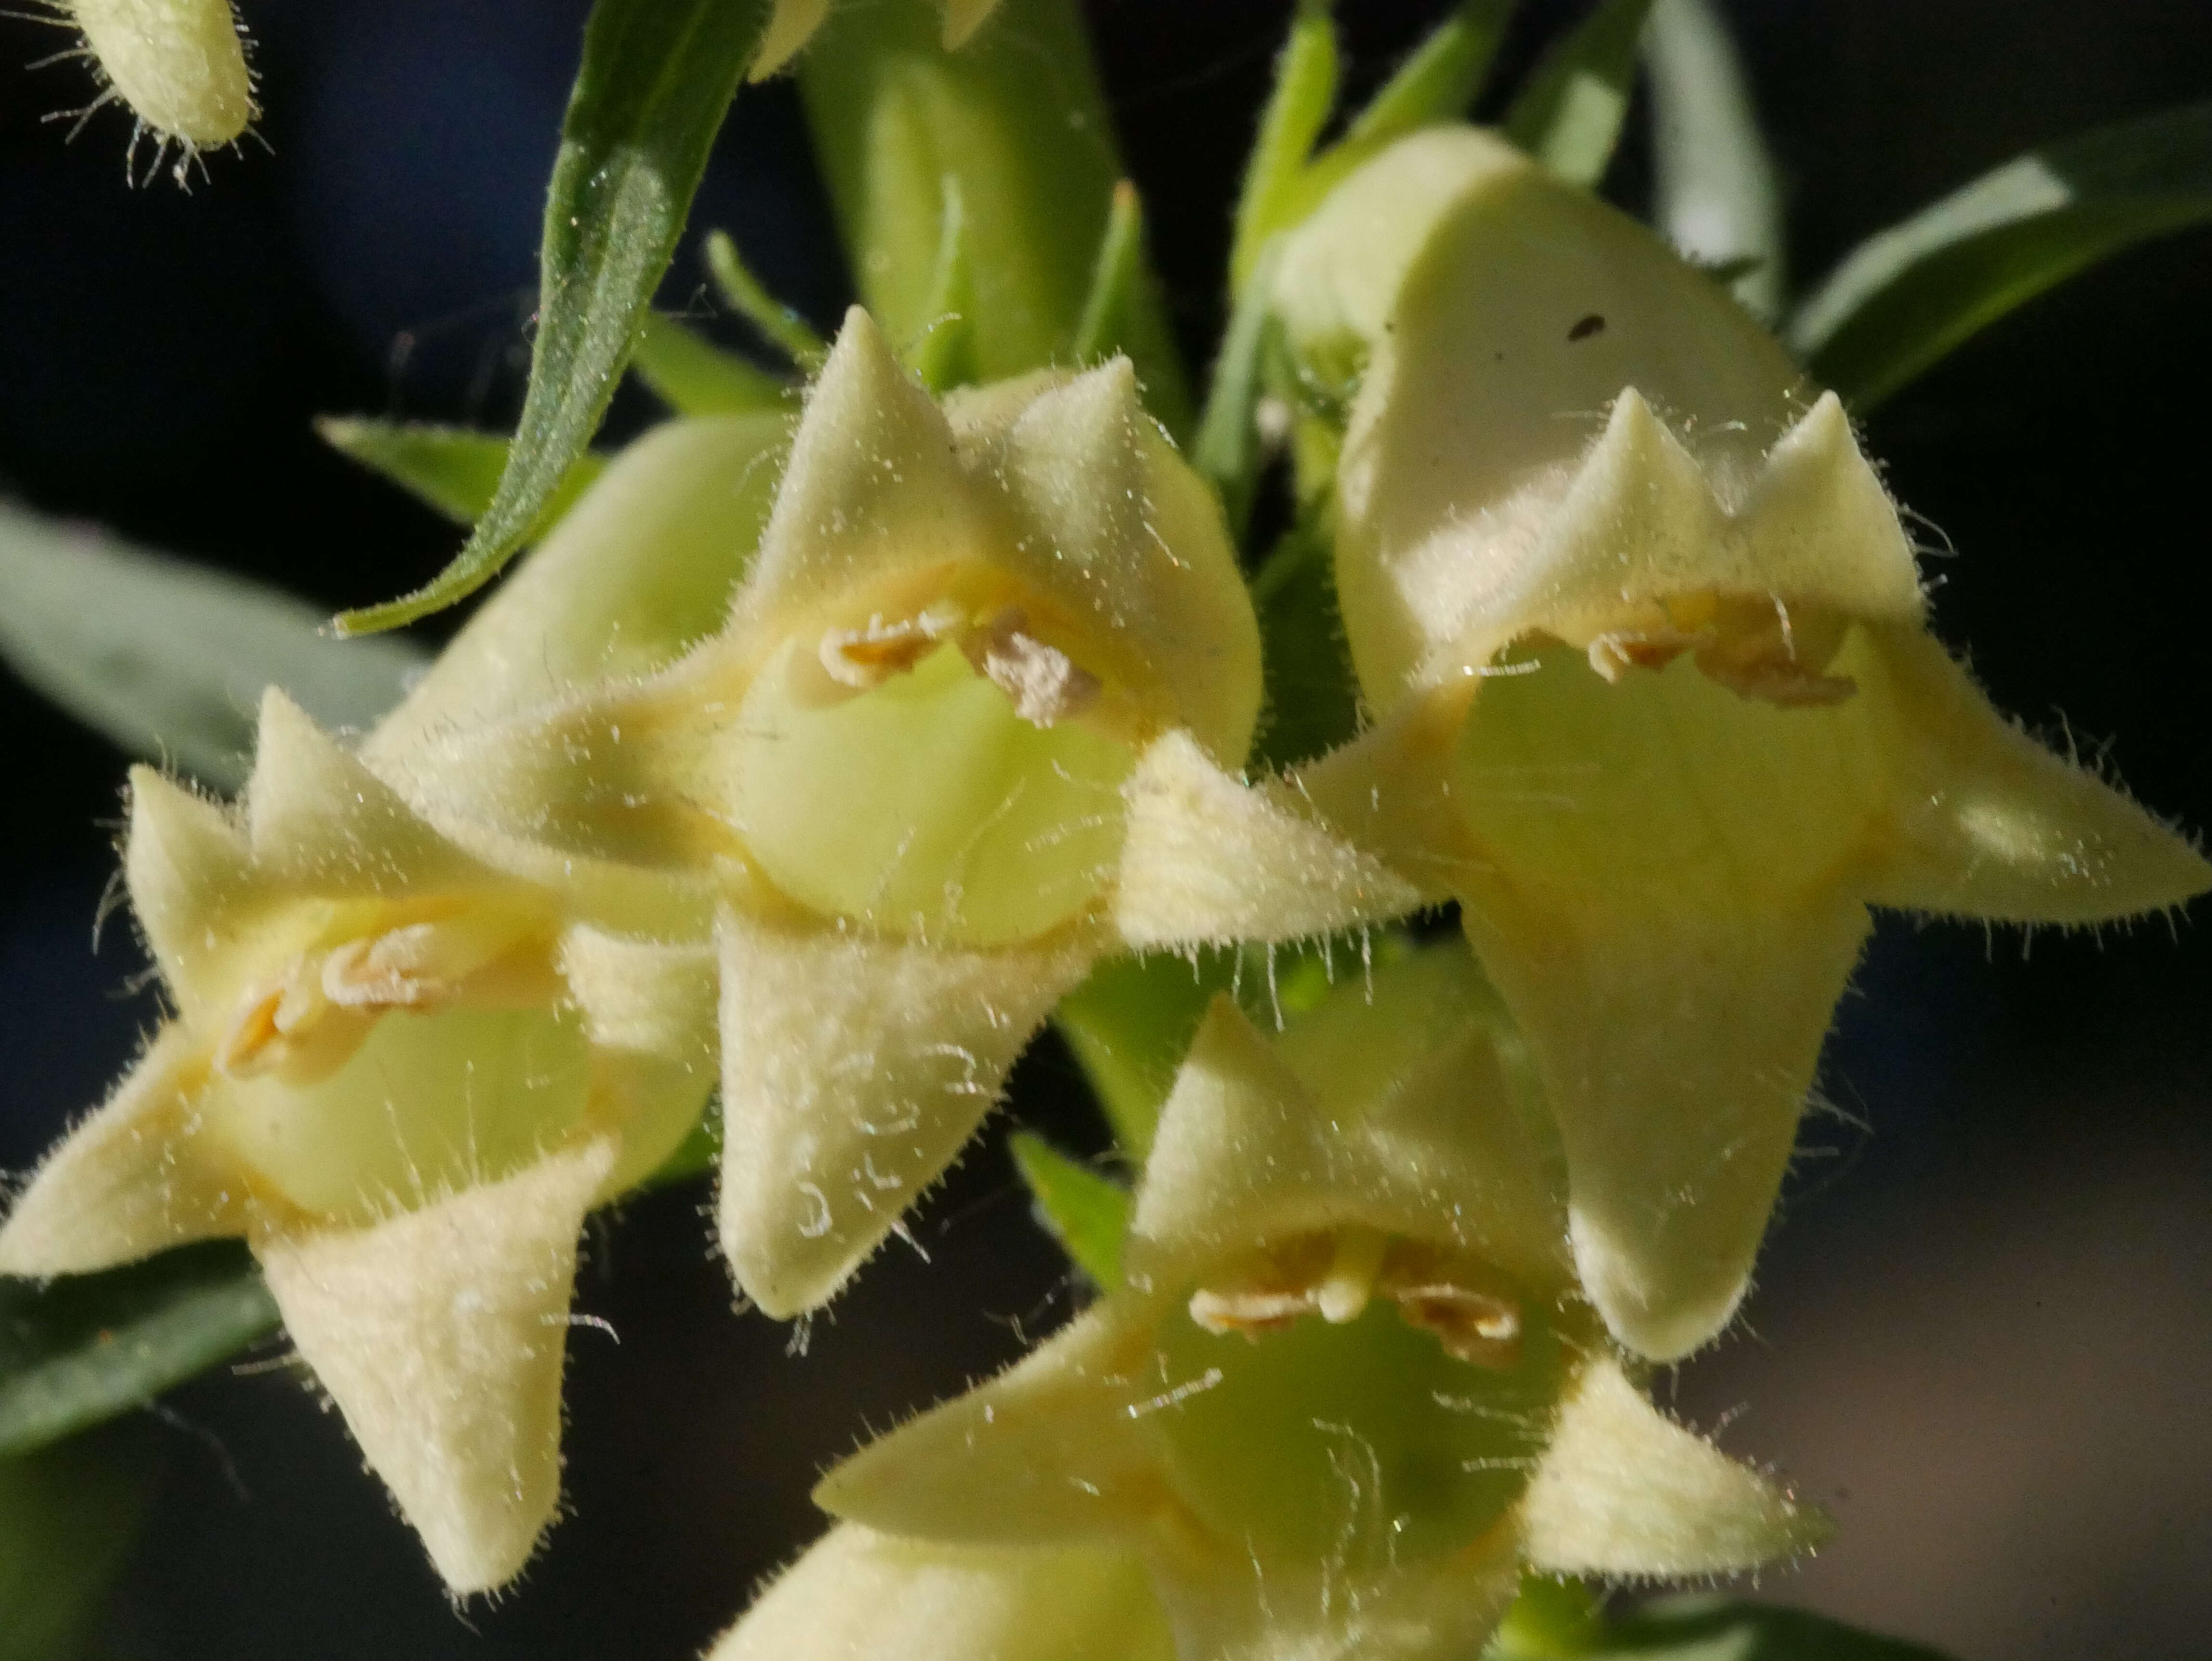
{"points": [[179, 65]]}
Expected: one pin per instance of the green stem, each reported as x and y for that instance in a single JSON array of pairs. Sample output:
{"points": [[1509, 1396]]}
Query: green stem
{"points": [[1017, 120]]}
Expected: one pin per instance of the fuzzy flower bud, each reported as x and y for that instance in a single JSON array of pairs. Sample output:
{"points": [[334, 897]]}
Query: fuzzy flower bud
{"points": [[1350, 1390], [1658, 702], [178, 64]]}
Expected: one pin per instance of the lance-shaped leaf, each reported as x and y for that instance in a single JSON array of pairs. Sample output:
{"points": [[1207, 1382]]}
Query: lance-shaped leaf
{"points": [[1660, 707], [168, 659], [1909, 295], [81, 1349], [1569, 115], [657, 78], [1718, 200]]}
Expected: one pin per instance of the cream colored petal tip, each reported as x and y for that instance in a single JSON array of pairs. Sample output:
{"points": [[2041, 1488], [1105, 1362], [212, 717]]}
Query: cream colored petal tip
{"points": [[1208, 859], [131, 1180], [440, 1334], [1045, 1452], [854, 1071], [1624, 1490], [859, 1596], [179, 65]]}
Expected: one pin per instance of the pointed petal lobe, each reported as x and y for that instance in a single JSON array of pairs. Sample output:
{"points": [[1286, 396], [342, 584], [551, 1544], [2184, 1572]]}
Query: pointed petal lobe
{"points": [[440, 1334], [134, 1178], [1048, 1450], [1207, 858], [1993, 824], [1625, 1490], [853, 1069]]}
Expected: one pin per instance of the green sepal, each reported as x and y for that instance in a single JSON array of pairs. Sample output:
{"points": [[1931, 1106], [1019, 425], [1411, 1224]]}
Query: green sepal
{"points": [[452, 469], [1227, 451], [695, 377], [1290, 124], [657, 78], [698, 1152], [1115, 280], [1436, 83], [1907, 297], [1086, 1212], [748, 296], [83, 1347], [1569, 114], [943, 355]]}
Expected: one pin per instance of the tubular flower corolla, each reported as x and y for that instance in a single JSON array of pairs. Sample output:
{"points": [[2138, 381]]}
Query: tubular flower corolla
{"points": [[1654, 694], [963, 732], [1350, 1391]]}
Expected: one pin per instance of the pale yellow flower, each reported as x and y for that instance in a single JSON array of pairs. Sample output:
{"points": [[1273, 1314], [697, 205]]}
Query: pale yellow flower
{"points": [[403, 1071], [964, 731], [1655, 696], [1350, 1391]]}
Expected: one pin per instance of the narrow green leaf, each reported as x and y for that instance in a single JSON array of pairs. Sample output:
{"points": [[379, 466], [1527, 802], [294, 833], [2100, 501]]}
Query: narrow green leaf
{"points": [[1290, 125], [748, 296], [1705, 1628], [1087, 1213], [1907, 297], [69, 1516], [1570, 113], [1115, 281], [169, 659], [658, 77], [83, 1347], [1716, 197], [1227, 450], [1129, 1026], [1437, 82], [453, 470], [695, 377], [944, 354]]}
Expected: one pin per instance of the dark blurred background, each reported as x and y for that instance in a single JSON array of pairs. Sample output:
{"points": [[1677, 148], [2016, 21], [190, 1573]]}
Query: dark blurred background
{"points": [[1984, 1325]]}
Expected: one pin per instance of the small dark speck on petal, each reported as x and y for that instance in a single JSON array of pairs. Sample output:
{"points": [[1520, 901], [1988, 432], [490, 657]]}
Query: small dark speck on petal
{"points": [[1586, 327]]}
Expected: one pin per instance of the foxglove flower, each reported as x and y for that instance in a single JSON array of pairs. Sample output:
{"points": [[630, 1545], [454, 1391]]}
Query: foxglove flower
{"points": [[403, 1068], [964, 732], [379, 1072], [1352, 1389], [1655, 696]]}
